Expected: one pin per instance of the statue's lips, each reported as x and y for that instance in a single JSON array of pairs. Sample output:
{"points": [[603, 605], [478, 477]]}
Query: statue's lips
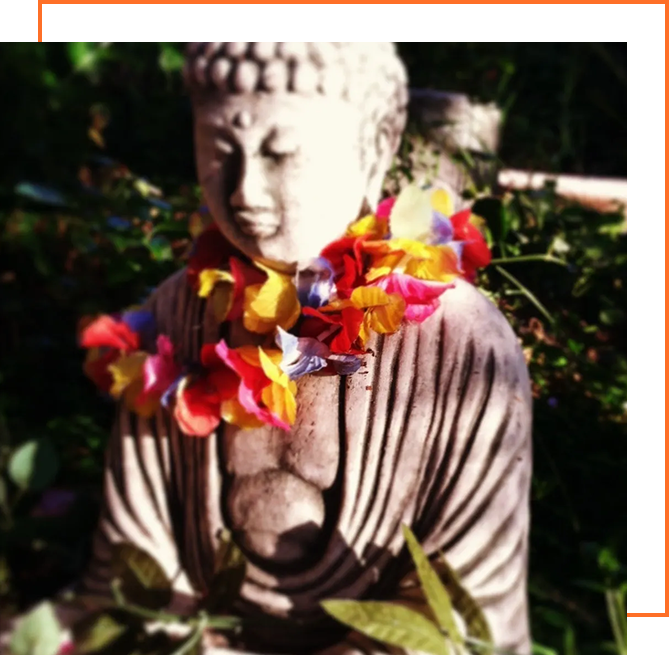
{"points": [[257, 222]]}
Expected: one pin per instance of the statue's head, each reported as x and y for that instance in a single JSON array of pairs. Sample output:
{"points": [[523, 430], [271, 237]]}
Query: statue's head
{"points": [[293, 140]]}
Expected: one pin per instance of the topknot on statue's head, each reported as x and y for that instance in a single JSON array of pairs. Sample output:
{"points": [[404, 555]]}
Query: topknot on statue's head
{"points": [[370, 75]]}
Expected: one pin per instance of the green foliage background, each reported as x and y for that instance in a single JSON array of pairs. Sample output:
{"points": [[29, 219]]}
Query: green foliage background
{"points": [[115, 117]]}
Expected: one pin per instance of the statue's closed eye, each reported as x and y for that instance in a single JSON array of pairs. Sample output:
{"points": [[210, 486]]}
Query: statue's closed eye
{"points": [[224, 147], [279, 147]]}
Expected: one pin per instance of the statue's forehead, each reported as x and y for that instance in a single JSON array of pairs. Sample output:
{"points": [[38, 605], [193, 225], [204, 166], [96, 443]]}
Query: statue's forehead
{"points": [[274, 112]]}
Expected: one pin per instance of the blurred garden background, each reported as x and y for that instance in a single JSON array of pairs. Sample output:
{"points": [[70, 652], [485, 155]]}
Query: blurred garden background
{"points": [[98, 202]]}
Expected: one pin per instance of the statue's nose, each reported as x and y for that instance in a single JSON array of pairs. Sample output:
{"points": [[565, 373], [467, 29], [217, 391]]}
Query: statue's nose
{"points": [[252, 189]]}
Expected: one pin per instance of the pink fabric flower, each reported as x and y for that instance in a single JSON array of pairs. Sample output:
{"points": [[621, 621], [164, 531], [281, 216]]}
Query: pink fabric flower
{"points": [[385, 207], [160, 370], [421, 296]]}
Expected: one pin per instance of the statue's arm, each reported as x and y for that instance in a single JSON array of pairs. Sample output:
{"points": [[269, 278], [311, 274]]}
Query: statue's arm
{"points": [[476, 510], [151, 498]]}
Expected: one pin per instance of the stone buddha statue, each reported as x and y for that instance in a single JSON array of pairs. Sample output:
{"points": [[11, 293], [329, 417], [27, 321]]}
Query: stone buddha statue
{"points": [[293, 141]]}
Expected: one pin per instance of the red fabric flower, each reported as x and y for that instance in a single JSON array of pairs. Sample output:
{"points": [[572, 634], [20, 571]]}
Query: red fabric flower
{"points": [[347, 260], [475, 253], [107, 332], [343, 328], [96, 368], [210, 250], [245, 276], [198, 406]]}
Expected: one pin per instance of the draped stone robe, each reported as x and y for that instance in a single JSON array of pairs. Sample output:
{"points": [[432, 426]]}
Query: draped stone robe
{"points": [[433, 432]]}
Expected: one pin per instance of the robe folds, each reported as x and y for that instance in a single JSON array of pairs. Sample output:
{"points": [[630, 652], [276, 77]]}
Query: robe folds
{"points": [[434, 432]]}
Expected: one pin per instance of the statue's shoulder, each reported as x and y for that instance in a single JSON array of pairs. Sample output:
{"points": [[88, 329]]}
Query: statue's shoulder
{"points": [[466, 317], [176, 307]]}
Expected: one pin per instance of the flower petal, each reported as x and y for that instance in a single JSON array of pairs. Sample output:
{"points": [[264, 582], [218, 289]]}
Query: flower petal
{"points": [[210, 278], [271, 304], [385, 207], [411, 215], [197, 410], [232, 412], [160, 370], [345, 364], [442, 229], [346, 328], [96, 367], [442, 202], [125, 370], [280, 401], [245, 276], [210, 250], [108, 332], [441, 265], [301, 355], [413, 291], [364, 297], [386, 319], [371, 225], [315, 285], [141, 322]]}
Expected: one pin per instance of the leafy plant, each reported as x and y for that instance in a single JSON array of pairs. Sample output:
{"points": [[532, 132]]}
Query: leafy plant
{"points": [[142, 591], [397, 625], [99, 205]]}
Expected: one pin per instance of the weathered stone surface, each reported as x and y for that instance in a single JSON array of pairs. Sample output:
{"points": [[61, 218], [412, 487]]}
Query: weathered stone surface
{"points": [[433, 432]]}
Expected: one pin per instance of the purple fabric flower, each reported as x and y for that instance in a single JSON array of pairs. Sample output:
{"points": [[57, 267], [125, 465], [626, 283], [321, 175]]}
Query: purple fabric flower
{"points": [[442, 229], [345, 364], [143, 323], [301, 355], [166, 398], [315, 285], [304, 355]]}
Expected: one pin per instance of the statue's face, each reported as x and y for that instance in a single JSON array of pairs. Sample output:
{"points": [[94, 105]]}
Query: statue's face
{"points": [[281, 173]]}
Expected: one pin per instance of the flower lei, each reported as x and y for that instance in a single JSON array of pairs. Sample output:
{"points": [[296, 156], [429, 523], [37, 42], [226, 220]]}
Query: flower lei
{"points": [[318, 321]]}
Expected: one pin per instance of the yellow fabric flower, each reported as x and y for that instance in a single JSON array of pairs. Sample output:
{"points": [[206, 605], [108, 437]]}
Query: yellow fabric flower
{"points": [[126, 370], [441, 202], [423, 261], [279, 396], [232, 412], [271, 304], [210, 278], [383, 312], [370, 225]]}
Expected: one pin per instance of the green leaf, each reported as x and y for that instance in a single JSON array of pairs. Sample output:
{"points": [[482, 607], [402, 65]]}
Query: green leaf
{"points": [[41, 194], [390, 624], [433, 588], [39, 633], [170, 58], [538, 649], [83, 55], [142, 580], [33, 465], [98, 632], [229, 572], [191, 644], [160, 248], [464, 604]]}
